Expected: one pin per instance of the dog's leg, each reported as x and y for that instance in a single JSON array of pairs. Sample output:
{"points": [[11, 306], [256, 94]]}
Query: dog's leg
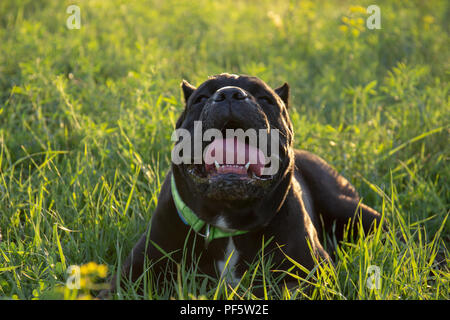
{"points": [[335, 199]]}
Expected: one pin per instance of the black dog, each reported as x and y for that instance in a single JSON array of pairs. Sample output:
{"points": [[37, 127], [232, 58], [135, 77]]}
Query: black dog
{"points": [[223, 206]]}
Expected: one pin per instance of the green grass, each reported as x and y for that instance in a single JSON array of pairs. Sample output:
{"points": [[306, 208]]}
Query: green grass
{"points": [[86, 117]]}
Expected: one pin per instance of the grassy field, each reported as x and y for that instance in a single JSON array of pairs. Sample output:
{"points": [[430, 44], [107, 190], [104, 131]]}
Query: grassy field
{"points": [[86, 117]]}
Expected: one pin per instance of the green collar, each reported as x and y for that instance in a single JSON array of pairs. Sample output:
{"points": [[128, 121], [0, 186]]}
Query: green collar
{"points": [[190, 218]]}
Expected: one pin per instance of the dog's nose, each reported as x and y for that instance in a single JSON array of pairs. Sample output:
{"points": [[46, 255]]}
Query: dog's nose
{"points": [[229, 93]]}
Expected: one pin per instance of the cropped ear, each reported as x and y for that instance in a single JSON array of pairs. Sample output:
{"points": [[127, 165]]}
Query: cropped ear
{"points": [[187, 89], [283, 92]]}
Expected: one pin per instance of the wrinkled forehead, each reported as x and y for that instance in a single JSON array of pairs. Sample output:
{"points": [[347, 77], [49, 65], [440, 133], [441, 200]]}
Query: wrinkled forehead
{"points": [[251, 84]]}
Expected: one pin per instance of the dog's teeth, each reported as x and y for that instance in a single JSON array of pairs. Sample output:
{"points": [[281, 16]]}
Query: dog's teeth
{"points": [[216, 164], [247, 166]]}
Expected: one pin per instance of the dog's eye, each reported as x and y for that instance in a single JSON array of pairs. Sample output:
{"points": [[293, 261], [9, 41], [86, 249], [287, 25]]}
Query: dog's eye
{"points": [[265, 99], [201, 98]]}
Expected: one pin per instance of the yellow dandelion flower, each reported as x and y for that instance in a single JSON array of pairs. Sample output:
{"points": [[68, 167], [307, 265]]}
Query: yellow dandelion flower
{"points": [[343, 28], [83, 283], [102, 270], [355, 32], [345, 20], [88, 268], [84, 269], [360, 21], [92, 267], [357, 9], [428, 19]]}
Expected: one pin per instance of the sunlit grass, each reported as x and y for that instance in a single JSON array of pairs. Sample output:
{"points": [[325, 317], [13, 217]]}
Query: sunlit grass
{"points": [[86, 118]]}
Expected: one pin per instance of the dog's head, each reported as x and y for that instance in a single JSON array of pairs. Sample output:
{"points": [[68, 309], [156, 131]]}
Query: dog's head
{"points": [[233, 156]]}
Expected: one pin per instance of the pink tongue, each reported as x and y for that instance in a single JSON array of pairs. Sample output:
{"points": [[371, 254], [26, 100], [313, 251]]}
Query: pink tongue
{"points": [[233, 152]]}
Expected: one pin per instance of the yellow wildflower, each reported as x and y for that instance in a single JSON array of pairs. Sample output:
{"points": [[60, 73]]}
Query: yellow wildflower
{"points": [[428, 19], [343, 28], [88, 268], [357, 9], [92, 268], [84, 282], [102, 270]]}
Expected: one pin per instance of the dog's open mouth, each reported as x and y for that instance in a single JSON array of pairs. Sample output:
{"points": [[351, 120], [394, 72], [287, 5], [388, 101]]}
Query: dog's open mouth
{"points": [[232, 156], [231, 169]]}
